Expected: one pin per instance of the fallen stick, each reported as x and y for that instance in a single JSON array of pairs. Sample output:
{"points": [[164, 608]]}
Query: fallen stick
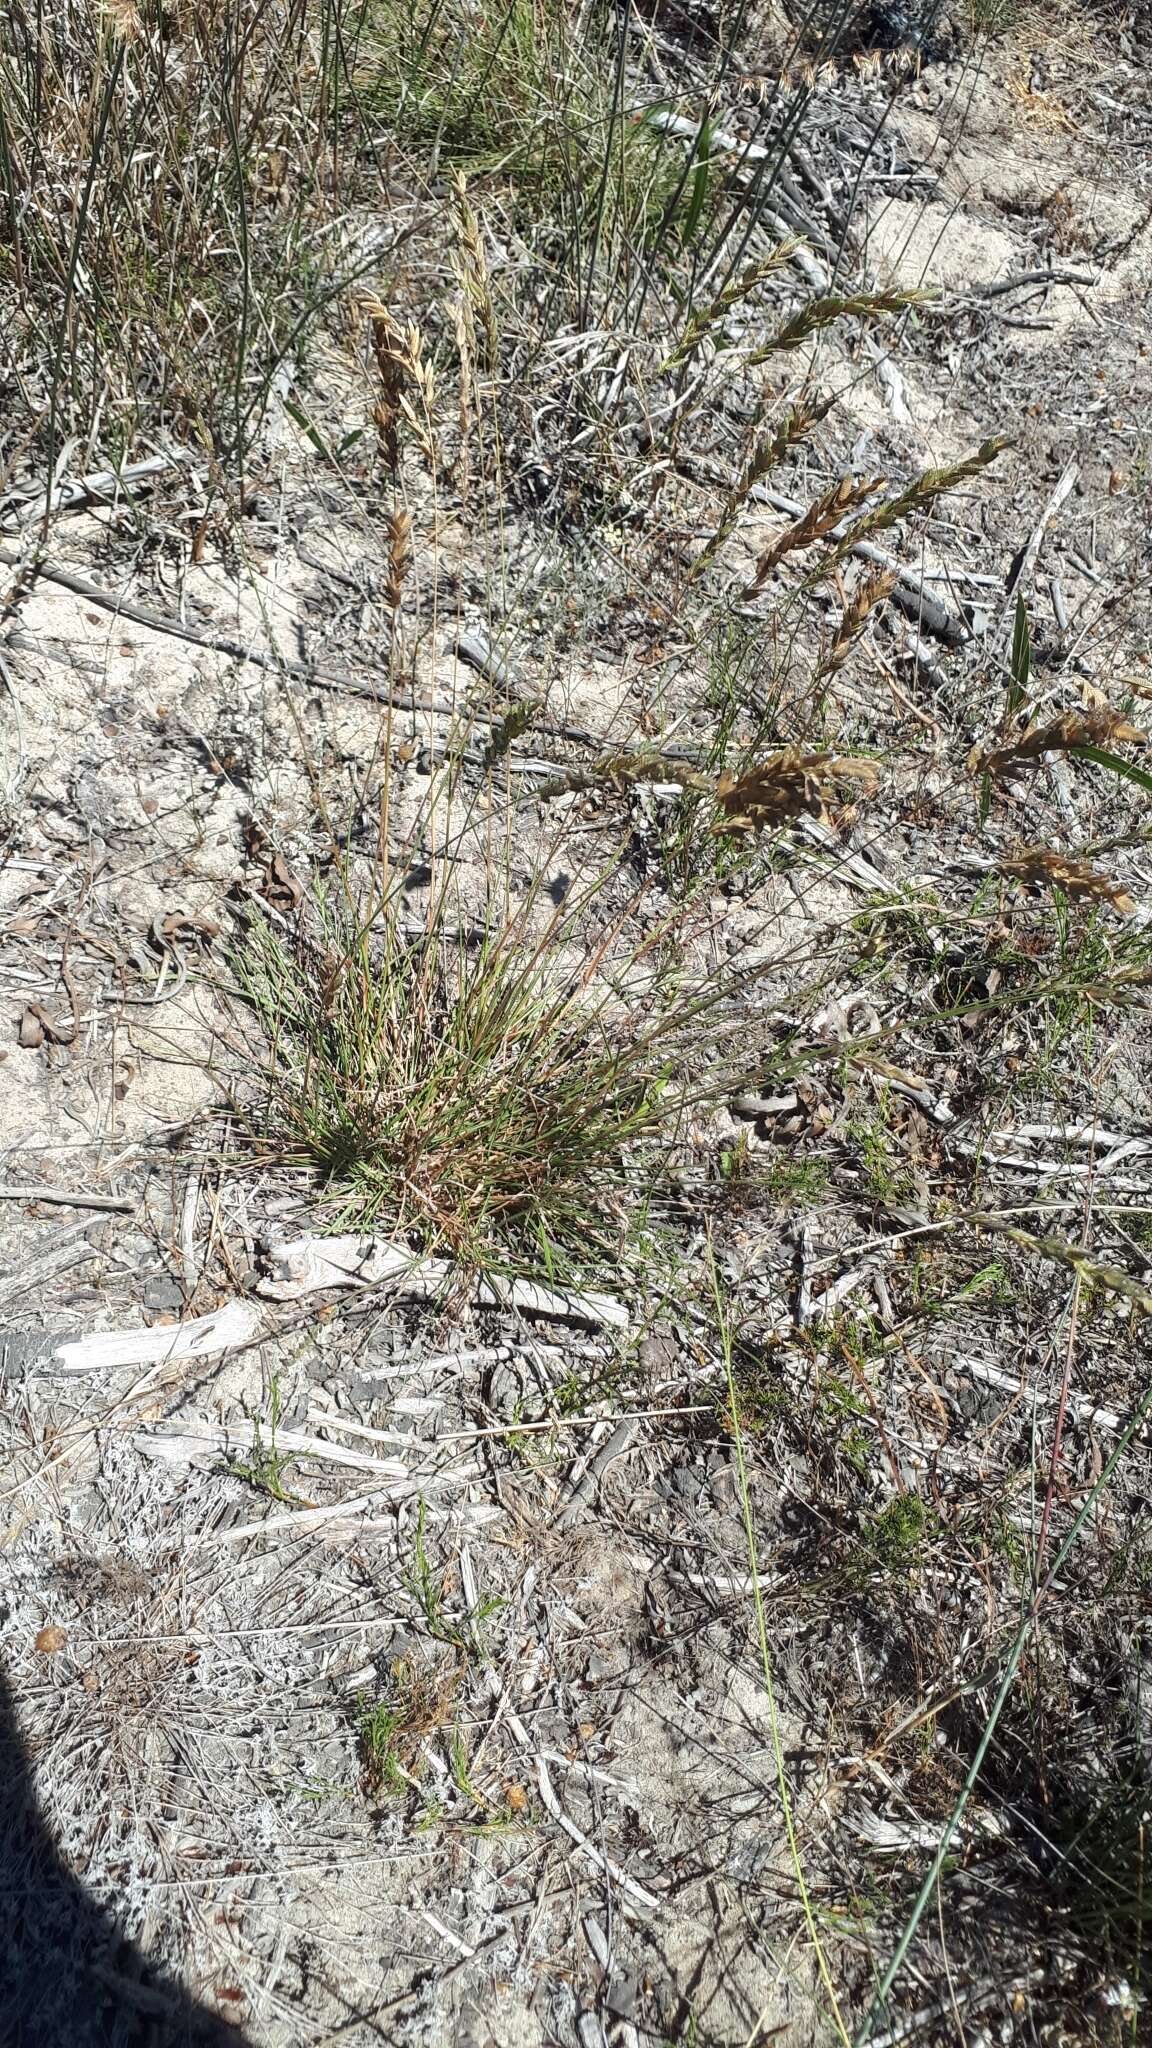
{"points": [[200, 1337], [1024, 561], [177, 629], [62, 1199], [999, 286], [300, 1520], [237, 1439], [273, 664], [309, 1264], [101, 486]]}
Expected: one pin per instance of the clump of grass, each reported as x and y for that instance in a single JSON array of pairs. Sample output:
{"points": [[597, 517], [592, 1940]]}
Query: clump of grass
{"points": [[379, 1727], [993, 17], [463, 1087], [266, 1464], [413, 1704], [464, 83], [161, 175], [794, 1182], [527, 90], [894, 1539]]}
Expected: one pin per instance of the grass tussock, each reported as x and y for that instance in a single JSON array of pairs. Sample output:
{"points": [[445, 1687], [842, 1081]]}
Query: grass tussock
{"points": [[580, 328], [469, 1089]]}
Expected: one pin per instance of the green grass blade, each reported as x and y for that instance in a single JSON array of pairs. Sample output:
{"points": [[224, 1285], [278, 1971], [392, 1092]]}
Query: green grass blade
{"points": [[1116, 765]]}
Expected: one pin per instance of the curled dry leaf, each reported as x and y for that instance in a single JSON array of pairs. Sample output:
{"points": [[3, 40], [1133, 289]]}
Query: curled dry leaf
{"points": [[1099, 727], [37, 1028], [280, 887], [1074, 877], [786, 785], [185, 924]]}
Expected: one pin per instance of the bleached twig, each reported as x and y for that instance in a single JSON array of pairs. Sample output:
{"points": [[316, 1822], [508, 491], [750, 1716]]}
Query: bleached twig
{"points": [[309, 1264], [231, 1439], [200, 1337]]}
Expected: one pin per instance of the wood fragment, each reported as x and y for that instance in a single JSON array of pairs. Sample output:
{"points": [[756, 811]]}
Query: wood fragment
{"points": [[212, 1440], [309, 1264], [1022, 566], [200, 1337], [64, 1198], [25, 506]]}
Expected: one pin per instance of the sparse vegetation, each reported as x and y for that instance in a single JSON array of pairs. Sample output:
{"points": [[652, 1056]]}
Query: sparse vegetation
{"points": [[509, 751], [265, 1465], [896, 1535], [391, 1729], [467, 1087]]}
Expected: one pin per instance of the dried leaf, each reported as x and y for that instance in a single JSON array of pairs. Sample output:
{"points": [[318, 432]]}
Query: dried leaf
{"points": [[1075, 877], [288, 891], [50, 1639], [36, 1026], [186, 924], [786, 785], [280, 886]]}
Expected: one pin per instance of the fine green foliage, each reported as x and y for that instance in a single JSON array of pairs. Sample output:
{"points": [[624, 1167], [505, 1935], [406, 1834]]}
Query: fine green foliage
{"points": [[379, 1727], [896, 1536], [463, 1086], [265, 1465], [529, 90]]}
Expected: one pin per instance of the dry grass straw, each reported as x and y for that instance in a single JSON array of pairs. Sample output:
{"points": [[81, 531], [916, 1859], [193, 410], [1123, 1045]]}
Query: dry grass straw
{"points": [[472, 272], [163, 179], [406, 381], [815, 524], [711, 317], [1070, 732], [399, 559], [918, 496], [768, 450], [870, 593], [1076, 879], [820, 313]]}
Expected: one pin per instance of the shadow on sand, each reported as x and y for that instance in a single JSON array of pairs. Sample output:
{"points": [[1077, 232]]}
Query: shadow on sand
{"points": [[69, 1977]]}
